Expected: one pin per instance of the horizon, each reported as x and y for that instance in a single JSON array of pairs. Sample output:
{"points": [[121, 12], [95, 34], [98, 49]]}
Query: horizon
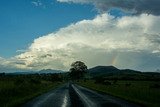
{"points": [[51, 34], [64, 71]]}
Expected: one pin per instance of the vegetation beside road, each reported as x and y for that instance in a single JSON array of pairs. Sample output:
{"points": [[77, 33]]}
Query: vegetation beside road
{"points": [[139, 87], [146, 93], [17, 89]]}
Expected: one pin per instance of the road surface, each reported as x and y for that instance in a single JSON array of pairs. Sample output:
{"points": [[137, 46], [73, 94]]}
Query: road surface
{"points": [[72, 95]]}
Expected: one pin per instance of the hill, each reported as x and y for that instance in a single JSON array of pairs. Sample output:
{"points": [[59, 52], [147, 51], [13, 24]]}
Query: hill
{"points": [[111, 72], [103, 70]]}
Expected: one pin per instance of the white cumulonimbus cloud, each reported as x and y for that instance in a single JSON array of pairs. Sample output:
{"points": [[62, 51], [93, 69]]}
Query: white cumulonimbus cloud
{"points": [[134, 6], [127, 42]]}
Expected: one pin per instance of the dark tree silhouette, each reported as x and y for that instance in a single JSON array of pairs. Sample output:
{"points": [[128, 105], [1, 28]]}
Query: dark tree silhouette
{"points": [[77, 70]]}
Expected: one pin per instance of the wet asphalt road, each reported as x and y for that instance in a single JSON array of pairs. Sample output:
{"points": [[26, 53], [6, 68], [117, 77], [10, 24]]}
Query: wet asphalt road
{"points": [[72, 95], [56, 98]]}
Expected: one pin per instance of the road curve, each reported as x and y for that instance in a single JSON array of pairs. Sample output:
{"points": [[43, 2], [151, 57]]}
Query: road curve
{"points": [[72, 95]]}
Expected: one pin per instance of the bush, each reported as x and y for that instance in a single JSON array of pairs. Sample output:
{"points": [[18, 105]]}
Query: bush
{"points": [[35, 81], [155, 86], [99, 80], [107, 83], [128, 84]]}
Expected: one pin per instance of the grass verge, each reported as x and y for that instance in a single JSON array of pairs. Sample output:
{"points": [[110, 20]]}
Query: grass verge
{"points": [[16, 91], [140, 92]]}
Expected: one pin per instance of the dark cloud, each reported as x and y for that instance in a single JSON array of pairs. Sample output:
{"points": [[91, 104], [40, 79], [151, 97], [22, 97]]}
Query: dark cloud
{"points": [[155, 38], [20, 63], [45, 56], [133, 6]]}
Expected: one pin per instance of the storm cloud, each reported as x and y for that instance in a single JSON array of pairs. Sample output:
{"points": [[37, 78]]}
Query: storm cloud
{"points": [[131, 6], [127, 42]]}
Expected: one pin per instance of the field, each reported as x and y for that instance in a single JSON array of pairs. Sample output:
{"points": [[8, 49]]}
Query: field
{"points": [[145, 93], [17, 89]]}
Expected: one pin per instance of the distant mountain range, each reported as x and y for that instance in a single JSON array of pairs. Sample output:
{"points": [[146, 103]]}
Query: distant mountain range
{"points": [[44, 71], [95, 71]]}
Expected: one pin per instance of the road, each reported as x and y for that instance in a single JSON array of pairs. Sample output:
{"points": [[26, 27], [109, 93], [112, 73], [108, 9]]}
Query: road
{"points": [[72, 95]]}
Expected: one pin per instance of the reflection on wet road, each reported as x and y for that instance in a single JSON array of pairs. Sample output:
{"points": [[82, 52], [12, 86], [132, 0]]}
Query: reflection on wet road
{"points": [[72, 95], [56, 98]]}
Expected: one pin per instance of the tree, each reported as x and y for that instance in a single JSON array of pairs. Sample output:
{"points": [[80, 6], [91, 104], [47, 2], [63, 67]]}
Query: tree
{"points": [[77, 70]]}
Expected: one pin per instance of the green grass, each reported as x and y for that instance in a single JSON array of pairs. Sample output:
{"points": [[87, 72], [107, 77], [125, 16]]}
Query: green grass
{"points": [[15, 91], [139, 91]]}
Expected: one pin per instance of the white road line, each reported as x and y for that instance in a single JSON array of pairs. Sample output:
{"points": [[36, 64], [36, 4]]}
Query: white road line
{"points": [[65, 101], [84, 98]]}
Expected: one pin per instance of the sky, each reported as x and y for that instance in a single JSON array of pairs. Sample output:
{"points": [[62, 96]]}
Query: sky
{"points": [[22, 21], [51, 34]]}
